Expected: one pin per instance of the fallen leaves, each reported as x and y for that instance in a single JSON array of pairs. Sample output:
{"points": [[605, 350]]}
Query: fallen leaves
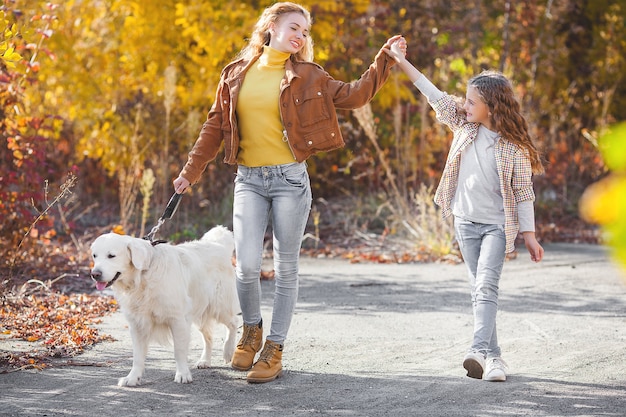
{"points": [[381, 256], [61, 326], [372, 248]]}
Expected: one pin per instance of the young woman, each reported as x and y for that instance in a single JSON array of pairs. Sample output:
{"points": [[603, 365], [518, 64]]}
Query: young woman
{"points": [[487, 186], [273, 109]]}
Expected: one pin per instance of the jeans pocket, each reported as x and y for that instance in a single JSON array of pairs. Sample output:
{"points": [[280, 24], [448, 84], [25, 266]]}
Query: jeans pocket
{"points": [[295, 179], [295, 176]]}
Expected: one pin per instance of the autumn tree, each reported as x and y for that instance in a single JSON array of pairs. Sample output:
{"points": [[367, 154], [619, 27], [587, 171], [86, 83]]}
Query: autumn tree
{"points": [[133, 81], [32, 144]]}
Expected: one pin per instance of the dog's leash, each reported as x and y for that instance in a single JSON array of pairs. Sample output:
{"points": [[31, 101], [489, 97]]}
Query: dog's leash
{"points": [[172, 205]]}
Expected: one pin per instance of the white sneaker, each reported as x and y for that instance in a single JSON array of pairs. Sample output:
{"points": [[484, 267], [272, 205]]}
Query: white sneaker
{"points": [[495, 370], [474, 362]]}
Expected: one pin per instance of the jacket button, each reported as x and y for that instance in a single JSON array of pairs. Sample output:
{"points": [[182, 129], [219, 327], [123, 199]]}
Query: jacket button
{"points": [[319, 93], [225, 101], [297, 100], [332, 134], [310, 142]]}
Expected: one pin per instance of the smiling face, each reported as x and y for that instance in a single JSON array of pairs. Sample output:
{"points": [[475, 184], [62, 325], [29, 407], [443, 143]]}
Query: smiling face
{"points": [[289, 33], [476, 109], [110, 258], [117, 257]]}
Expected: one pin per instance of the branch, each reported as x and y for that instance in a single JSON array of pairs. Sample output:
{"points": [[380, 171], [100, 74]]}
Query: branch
{"points": [[66, 188]]}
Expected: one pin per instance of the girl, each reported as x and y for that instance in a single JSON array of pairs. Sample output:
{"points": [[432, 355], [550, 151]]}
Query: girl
{"points": [[487, 186], [273, 109]]}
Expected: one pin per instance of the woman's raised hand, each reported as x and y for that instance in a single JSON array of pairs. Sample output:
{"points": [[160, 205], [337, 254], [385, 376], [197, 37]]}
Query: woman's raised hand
{"points": [[396, 47]]}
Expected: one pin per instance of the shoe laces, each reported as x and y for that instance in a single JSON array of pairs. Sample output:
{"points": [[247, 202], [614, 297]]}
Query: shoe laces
{"points": [[249, 335], [268, 352], [496, 363]]}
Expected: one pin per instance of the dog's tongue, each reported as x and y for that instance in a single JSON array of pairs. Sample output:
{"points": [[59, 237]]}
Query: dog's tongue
{"points": [[101, 285]]}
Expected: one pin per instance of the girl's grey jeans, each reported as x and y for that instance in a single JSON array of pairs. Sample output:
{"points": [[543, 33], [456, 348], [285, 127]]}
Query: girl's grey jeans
{"points": [[483, 247]]}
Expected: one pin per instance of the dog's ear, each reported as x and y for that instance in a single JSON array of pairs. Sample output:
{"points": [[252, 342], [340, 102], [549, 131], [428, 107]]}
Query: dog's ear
{"points": [[140, 253]]}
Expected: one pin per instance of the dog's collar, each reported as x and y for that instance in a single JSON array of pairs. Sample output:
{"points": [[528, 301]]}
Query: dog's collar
{"points": [[156, 242]]}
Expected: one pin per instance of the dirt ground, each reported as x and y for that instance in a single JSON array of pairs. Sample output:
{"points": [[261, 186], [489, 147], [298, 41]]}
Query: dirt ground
{"points": [[380, 340]]}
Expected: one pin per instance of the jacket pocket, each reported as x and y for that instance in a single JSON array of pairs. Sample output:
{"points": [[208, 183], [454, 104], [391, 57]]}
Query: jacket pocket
{"points": [[311, 106], [321, 141]]}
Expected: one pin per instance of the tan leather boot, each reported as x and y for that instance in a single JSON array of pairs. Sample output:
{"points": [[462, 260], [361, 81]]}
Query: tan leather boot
{"points": [[269, 366], [248, 346]]}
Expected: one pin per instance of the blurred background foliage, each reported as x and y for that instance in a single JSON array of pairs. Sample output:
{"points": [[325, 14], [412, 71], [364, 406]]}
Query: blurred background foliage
{"points": [[604, 202], [115, 91]]}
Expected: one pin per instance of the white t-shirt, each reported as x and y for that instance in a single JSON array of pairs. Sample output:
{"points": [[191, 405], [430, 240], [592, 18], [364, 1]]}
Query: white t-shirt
{"points": [[478, 197]]}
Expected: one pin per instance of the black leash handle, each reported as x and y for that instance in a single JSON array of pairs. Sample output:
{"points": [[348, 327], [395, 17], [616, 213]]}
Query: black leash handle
{"points": [[172, 205]]}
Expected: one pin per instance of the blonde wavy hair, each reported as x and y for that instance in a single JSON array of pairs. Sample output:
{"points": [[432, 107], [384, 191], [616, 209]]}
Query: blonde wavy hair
{"points": [[261, 34], [506, 118]]}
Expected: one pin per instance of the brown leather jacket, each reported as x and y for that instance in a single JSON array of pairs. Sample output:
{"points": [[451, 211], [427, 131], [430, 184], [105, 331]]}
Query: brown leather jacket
{"points": [[308, 99]]}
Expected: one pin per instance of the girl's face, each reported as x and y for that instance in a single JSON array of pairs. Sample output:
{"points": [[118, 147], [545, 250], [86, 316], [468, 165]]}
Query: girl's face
{"points": [[289, 33], [476, 109]]}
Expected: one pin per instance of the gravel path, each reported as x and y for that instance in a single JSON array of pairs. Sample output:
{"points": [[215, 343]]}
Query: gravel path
{"points": [[381, 340]]}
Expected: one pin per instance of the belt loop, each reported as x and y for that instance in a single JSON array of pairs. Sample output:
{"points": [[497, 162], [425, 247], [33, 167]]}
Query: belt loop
{"points": [[245, 171]]}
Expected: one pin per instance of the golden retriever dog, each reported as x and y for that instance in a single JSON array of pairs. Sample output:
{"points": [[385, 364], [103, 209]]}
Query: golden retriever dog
{"points": [[163, 289]]}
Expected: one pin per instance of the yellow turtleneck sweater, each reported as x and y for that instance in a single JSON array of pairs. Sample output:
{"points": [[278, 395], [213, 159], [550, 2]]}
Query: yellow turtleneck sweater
{"points": [[258, 113]]}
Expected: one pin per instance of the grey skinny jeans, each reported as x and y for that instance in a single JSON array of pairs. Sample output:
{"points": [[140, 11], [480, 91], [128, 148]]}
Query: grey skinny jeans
{"points": [[282, 193], [483, 247]]}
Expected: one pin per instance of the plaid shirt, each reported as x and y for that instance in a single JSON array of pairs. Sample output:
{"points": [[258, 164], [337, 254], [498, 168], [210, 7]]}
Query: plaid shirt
{"points": [[512, 163]]}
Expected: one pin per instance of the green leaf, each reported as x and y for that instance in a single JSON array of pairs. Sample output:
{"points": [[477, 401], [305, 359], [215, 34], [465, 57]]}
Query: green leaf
{"points": [[458, 65], [613, 146]]}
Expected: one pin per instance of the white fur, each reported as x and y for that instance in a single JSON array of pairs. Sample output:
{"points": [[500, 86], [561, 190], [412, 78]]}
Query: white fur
{"points": [[164, 289]]}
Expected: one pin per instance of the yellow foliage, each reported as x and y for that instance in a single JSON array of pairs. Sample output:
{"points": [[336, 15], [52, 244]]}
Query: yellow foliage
{"points": [[613, 146], [604, 202], [7, 49], [109, 78], [598, 203], [118, 229]]}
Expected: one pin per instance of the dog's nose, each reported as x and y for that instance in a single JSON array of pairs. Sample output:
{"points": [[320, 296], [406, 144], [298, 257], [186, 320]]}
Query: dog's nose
{"points": [[95, 274]]}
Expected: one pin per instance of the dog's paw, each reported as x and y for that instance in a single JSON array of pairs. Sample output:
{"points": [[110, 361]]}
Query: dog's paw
{"points": [[129, 381], [183, 377], [228, 353], [201, 364]]}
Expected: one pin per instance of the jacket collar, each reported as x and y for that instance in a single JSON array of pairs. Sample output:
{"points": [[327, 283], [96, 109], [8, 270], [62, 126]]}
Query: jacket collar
{"points": [[237, 69], [290, 70], [465, 140]]}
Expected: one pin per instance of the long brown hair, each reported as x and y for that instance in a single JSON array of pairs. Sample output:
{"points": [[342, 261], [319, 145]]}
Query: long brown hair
{"points": [[261, 34], [497, 92]]}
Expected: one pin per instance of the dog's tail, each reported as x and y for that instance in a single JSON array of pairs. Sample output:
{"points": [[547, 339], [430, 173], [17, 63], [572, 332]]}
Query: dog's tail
{"points": [[221, 235]]}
